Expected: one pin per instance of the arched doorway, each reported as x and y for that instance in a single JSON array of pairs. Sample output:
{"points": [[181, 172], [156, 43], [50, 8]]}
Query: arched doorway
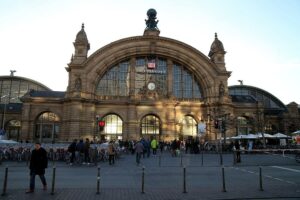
{"points": [[13, 129], [150, 127], [243, 125], [47, 127], [189, 128], [113, 128]]}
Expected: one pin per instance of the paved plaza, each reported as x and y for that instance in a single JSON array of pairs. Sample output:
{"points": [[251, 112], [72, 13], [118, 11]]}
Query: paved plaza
{"points": [[163, 178]]}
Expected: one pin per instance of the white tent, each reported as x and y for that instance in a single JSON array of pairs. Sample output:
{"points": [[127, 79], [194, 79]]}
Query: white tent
{"points": [[251, 136], [280, 135], [266, 135], [8, 142], [247, 137], [238, 137], [296, 132]]}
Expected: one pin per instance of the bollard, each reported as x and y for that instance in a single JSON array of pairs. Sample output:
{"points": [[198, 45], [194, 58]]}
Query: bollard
{"points": [[159, 160], [53, 180], [184, 180], [260, 180], [202, 158], [234, 157], [180, 160], [5, 182], [143, 180], [98, 181], [221, 158], [223, 180]]}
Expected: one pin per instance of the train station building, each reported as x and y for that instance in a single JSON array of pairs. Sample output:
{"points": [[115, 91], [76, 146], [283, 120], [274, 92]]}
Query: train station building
{"points": [[142, 86]]}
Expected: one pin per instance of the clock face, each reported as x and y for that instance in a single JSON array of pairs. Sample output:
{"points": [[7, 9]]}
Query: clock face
{"points": [[151, 86]]}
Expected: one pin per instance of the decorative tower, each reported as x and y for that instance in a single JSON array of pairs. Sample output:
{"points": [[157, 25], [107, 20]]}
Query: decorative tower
{"points": [[217, 53], [76, 77], [82, 46]]}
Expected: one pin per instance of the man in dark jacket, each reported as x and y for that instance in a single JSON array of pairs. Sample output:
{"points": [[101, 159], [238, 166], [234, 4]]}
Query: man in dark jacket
{"points": [[38, 163]]}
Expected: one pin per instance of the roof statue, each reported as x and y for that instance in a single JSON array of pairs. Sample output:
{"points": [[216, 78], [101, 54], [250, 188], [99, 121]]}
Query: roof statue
{"points": [[151, 22]]}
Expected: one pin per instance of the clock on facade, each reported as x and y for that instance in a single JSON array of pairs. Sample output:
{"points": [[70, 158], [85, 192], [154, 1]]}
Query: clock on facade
{"points": [[151, 86]]}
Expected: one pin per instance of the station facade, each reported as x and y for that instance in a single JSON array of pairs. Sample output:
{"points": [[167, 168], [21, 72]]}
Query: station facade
{"points": [[143, 86]]}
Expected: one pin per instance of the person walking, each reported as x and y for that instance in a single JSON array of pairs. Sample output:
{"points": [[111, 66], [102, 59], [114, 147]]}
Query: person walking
{"points": [[71, 150], [87, 151], [37, 166], [111, 153], [154, 146], [238, 153], [139, 148]]}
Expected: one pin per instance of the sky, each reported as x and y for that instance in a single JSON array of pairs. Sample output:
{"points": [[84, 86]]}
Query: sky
{"points": [[261, 37]]}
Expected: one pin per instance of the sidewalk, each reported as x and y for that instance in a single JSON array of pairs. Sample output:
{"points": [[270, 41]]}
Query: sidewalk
{"points": [[124, 180]]}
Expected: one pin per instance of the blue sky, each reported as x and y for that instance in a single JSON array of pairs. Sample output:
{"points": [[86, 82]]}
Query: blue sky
{"points": [[261, 37]]}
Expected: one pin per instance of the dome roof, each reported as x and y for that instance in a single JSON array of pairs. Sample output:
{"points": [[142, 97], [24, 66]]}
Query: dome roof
{"points": [[216, 46], [81, 36]]}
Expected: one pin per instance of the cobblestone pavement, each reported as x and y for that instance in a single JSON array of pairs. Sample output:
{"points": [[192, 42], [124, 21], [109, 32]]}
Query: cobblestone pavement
{"points": [[163, 179]]}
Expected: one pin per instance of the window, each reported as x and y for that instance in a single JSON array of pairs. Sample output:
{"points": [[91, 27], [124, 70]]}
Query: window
{"points": [[189, 126], [47, 126], [115, 82], [113, 124], [185, 85], [156, 74], [150, 125]]}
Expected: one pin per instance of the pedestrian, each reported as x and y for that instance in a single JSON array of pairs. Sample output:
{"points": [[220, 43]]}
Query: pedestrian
{"points": [[37, 166], [80, 151], [238, 153], [71, 150], [139, 148], [111, 153], [87, 151], [154, 146]]}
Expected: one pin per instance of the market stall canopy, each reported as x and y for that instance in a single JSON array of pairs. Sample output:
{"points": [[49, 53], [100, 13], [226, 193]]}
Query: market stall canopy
{"points": [[296, 132], [266, 135], [246, 137], [280, 135], [8, 142]]}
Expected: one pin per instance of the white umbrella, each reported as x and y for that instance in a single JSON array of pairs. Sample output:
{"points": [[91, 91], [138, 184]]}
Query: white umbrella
{"points": [[280, 135], [266, 135], [296, 132], [8, 142], [251, 136], [238, 137]]}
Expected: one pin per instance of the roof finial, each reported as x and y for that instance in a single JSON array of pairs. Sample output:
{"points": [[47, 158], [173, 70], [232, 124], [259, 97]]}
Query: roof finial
{"points": [[216, 36], [82, 26]]}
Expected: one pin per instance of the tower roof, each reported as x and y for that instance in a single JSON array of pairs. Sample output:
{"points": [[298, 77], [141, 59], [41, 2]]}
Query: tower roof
{"points": [[81, 37], [216, 47]]}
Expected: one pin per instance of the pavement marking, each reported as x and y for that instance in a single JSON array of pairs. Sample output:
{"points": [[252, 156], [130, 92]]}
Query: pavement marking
{"points": [[288, 169], [268, 176]]}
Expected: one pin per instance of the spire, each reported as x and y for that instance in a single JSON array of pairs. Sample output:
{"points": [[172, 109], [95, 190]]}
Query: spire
{"points": [[82, 46], [216, 47]]}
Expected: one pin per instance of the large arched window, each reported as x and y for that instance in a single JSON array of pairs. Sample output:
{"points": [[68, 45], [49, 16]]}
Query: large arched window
{"points": [[185, 85], [113, 128], [151, 70], [150, 126], [189, 126], [115, 82], [47, 127]]}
